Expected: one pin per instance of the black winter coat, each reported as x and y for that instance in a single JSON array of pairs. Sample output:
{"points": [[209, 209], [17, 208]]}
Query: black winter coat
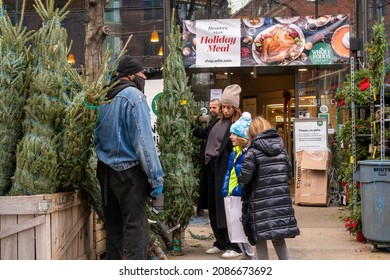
{"points": [[221, 164], [267, 212]]}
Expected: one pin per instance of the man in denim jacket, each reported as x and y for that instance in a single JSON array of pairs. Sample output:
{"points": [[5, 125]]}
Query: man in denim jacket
{"points": [[128, 167]]}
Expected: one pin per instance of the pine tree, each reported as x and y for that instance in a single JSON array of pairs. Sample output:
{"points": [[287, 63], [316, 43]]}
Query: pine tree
{"points": [[14, 81], [77, 158], [37, 153], [76, 168], [175, 109]]}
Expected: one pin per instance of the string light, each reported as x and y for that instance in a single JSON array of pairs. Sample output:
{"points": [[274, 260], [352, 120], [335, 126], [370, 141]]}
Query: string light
{"points": [[154, 38], [71, 58]]}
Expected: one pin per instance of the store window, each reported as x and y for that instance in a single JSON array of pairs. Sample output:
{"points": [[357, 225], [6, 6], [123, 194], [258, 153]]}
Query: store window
{"points": [[112, 13], [203, 9], [316, 91], [153, 14]]}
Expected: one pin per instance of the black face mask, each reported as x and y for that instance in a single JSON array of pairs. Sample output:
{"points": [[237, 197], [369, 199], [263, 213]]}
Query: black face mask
{"points": [[140, 82]]}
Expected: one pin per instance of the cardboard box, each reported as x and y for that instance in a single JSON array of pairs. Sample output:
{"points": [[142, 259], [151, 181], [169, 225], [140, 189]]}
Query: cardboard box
{"points": [[311, 178], [315, 160]]}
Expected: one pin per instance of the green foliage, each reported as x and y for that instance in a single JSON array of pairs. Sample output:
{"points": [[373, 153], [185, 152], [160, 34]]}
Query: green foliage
{"points": [[353, 220], [37, 153], [78, 126], [175, 109], [14, 81], [345, 92], [345, 168], [376, 71], [376, 50], [49, 11], [362, 126], [77, 160], [48, 111], [197, 144]]}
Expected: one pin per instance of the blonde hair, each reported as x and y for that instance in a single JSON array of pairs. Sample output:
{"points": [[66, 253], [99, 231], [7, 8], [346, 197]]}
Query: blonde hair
{"points": [[241, 141], [257, 125]]}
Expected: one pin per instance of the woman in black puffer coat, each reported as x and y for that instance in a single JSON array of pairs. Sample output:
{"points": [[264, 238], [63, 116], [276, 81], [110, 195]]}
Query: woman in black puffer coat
{"points": [[267, 211]]}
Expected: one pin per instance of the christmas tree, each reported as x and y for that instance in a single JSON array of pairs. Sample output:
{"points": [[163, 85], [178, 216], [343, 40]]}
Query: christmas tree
{"points": [[14, 81], [37, 153], [175, 109], [77, 168], [55, 121], [76, 158]]}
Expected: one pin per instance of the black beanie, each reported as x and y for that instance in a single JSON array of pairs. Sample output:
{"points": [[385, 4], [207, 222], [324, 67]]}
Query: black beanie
{"points": [[129, 65]]}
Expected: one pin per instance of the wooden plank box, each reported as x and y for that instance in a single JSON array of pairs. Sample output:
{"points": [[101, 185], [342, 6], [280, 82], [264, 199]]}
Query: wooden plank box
{"points": [[46, 227], [99, 236]]}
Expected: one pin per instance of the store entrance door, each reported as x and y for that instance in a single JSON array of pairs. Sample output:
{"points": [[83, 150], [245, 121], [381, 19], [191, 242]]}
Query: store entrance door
{"points": [[282, 117]]}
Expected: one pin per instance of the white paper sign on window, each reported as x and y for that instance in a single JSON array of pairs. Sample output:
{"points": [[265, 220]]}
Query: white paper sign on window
{"points": [[310, 134]]}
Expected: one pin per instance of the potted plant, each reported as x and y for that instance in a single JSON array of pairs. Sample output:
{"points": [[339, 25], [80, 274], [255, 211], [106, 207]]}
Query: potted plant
{"points": [[353, 223], [361, 96]]}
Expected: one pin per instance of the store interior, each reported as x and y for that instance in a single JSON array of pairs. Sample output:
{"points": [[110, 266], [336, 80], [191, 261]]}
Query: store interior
{"points": [[280, 94]]}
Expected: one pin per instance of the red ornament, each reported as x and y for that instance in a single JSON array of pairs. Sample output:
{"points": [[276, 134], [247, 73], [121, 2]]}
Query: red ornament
{"points": [[363, 85]]}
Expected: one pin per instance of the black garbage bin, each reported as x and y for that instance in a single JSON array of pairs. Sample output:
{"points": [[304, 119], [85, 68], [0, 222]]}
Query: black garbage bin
{"points": [[374, 178]]}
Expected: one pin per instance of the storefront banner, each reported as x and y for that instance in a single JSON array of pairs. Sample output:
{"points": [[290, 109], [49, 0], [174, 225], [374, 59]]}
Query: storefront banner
{"points": [[278, 41], [217, 43]]}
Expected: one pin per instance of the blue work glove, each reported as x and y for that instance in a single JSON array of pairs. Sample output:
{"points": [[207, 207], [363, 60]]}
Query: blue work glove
{"points": [[156, 191]]}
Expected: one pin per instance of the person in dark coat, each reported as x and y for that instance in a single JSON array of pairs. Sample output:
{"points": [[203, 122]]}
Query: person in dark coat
{"points": [[128, 167], [267, 211], [216, 157], [202, 133]]}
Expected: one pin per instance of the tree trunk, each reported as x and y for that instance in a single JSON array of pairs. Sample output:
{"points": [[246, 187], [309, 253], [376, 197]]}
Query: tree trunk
{"points": [[155, 251], [95, 33], [176, 242]]}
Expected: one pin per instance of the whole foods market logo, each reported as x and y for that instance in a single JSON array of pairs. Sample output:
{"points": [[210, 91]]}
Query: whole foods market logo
{"points": [[321, 53], [154, 103]]}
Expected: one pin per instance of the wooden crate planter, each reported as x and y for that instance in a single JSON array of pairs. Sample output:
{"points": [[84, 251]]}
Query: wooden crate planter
{"points": [[99, 236], [46, 227]]}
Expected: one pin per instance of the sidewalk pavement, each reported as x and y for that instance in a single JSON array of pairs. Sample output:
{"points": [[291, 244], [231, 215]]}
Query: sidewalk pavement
{"points": [[323, 237]]}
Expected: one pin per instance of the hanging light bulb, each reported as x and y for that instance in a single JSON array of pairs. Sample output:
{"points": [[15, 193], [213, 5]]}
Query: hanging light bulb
{"points": [[71, 58], [160, 51], [154, 38]]}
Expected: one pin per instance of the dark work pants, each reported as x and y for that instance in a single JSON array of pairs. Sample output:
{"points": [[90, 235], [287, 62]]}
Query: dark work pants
{"points": [[221, 235], [124, 195]]}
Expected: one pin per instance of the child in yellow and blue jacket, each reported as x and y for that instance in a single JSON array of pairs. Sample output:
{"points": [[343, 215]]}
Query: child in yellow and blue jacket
{"points": [[231, 190]]}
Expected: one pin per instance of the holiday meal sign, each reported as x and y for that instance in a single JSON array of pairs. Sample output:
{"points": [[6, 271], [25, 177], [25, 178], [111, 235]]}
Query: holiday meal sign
{"points": [[255, 41], [218, 43]]}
